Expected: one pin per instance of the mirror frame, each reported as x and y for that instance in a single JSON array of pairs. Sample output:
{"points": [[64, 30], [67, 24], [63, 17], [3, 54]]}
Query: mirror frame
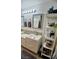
{"points": [[40, 19]]}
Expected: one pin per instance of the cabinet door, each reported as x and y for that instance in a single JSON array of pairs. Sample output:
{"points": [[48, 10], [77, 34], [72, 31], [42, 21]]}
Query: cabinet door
{"points": [[23, 42], [32, 45]]}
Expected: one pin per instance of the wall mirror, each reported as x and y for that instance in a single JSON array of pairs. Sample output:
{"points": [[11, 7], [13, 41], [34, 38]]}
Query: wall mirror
{"points": [[37, 21], [22, 21]]}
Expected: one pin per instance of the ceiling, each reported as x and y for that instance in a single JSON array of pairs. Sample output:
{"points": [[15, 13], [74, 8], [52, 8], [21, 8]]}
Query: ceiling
{"points": [[29, 3]]}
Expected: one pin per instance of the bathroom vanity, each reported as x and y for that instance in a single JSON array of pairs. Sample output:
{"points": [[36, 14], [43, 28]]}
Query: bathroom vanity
{"points": [[31, 41]]}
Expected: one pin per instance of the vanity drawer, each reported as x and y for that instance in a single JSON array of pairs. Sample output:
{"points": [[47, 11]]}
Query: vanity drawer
{"points": [[23, 42], [31, 44], [32, 47]]}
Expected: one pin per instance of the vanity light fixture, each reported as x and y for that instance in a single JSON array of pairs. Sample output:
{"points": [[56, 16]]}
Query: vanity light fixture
{"points": [[29, 11]]}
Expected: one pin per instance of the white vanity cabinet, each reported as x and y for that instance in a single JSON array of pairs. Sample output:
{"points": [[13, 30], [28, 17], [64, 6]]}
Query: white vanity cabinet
{"points": [[31, 42]]}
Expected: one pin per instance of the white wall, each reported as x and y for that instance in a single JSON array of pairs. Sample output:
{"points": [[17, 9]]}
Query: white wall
{"points": [[40, 8]]}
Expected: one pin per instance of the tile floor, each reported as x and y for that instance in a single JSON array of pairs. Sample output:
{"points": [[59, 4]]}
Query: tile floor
{"points": [[37, 56]]}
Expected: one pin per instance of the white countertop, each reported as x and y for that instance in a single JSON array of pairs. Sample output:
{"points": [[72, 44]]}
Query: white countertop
{"points": [[31, 36]]}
